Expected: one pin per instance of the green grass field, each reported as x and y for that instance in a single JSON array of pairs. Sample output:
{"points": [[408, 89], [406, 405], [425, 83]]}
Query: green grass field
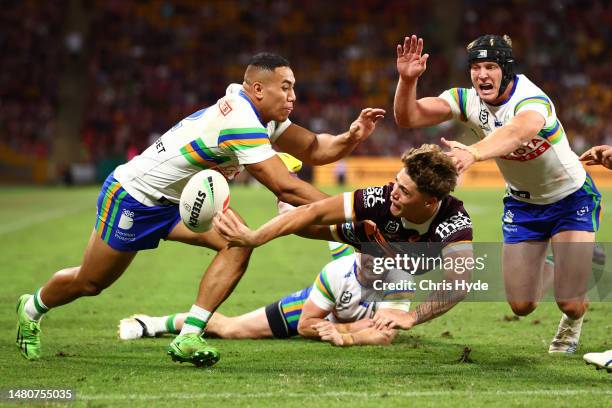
{"points": [[43, 230]]}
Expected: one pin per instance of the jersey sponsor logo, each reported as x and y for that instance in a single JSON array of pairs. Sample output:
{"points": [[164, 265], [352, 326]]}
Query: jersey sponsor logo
{"points": [[346, 297], [373, 196], [224, 107], [392, 227], [127, 219], [453, 224], [530, 150], [159, 145]]}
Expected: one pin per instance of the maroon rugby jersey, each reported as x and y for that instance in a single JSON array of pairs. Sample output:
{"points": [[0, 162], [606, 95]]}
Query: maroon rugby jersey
{"points": [[451, 224]]}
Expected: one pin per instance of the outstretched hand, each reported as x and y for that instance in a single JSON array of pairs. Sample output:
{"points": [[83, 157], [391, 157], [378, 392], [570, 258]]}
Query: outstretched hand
{"points": [[233, 230], [598, 155], [365, 124], [410, 63], [460, 153]]}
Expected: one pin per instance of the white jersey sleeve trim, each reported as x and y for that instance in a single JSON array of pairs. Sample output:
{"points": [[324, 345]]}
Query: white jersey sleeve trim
{"points": [[348, 206], [454, 106], [279, 129]]}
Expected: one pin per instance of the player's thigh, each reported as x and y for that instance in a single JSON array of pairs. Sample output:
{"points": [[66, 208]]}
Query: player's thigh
{"points": [[522, 265], [209, 239], [573, 254], [102, 265]]}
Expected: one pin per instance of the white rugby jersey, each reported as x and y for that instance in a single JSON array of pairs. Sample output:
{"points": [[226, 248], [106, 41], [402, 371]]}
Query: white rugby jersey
{"points": [[543, 170], [338, 291], [224, 137]]}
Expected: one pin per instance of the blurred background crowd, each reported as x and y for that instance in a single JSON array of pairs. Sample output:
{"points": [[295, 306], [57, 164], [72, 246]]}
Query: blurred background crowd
{"points": [[97, 81]]}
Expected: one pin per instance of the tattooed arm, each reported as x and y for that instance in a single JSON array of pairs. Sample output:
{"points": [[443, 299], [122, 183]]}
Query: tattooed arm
{"points": [[439, 301]]}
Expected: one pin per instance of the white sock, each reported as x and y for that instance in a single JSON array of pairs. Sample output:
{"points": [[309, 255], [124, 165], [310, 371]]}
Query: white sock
{"points": [[196, 320], [158, 325], [34, 308]]}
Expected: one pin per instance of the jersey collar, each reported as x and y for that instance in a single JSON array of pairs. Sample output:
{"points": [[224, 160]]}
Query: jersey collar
{"points": [[421, 228], [516, 79], [246, 98]]}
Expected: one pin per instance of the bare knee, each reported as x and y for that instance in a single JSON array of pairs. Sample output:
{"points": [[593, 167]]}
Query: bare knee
{"points": [[523, 308], [226, 328], [573, 309]]}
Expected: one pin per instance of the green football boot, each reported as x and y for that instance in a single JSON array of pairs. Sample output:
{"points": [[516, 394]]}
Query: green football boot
{"points": [[28, 332], [192, 348]]}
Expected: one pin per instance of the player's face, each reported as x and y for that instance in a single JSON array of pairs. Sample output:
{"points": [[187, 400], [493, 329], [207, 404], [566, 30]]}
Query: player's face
{"points": [[486, 77], [278, 95], [407, 201]]}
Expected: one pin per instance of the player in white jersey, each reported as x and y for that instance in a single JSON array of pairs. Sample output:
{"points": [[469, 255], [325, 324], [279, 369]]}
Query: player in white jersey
{"points": [[550, 196], [599, 155], [331, 307], [138, 204]]}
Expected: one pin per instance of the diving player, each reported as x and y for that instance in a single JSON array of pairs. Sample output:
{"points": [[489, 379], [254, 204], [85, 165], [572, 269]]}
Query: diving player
{"points": [[415, 209], [334, 299]]}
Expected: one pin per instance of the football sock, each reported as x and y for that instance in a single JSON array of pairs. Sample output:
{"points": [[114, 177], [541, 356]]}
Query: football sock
{"points": [[169, 324], [35, 308], [196, 320], [338, 250]]}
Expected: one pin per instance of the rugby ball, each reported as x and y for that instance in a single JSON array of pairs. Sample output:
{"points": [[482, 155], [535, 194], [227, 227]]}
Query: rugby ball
{"points": [[205, 194]]}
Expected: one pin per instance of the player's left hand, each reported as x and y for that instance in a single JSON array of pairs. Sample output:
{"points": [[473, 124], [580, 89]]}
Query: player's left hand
{"points": [[365, 124], [328, 332], [460, 154], [234, 231]]}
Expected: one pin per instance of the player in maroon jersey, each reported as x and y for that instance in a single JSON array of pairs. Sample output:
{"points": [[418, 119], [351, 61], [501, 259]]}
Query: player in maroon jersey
{"points": [[416, 208]]}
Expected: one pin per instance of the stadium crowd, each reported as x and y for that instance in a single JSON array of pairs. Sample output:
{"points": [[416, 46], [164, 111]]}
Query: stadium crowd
{"points": [[152, 63], [31, 43]]}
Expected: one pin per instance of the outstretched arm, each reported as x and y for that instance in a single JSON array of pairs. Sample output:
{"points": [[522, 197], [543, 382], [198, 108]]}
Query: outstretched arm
{"points": [[324, 212], [437, 303], [410, 112], [506, 139], [323, 148]]}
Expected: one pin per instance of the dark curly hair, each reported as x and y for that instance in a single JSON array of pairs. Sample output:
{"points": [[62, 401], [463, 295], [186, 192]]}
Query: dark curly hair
{"points": [[431, 170]]}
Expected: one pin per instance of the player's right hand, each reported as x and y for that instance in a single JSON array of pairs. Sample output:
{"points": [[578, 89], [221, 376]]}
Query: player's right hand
{"points": [[234, 231], [388, 321], [410, 63]]}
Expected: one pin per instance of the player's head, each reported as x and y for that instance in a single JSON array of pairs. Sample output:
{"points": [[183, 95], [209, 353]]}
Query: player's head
{"points": [[491, 65], [427, 177], [269, 81]]}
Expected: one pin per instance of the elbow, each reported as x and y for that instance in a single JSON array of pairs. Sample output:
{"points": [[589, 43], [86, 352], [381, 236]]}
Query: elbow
{"points": [[402, 120]]}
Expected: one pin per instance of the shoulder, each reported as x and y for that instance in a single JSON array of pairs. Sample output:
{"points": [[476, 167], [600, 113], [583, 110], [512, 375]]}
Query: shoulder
{"points": [[337, 271]]}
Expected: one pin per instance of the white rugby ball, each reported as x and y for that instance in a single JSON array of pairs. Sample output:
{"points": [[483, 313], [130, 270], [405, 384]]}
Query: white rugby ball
{"points": [[205, 194]]}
